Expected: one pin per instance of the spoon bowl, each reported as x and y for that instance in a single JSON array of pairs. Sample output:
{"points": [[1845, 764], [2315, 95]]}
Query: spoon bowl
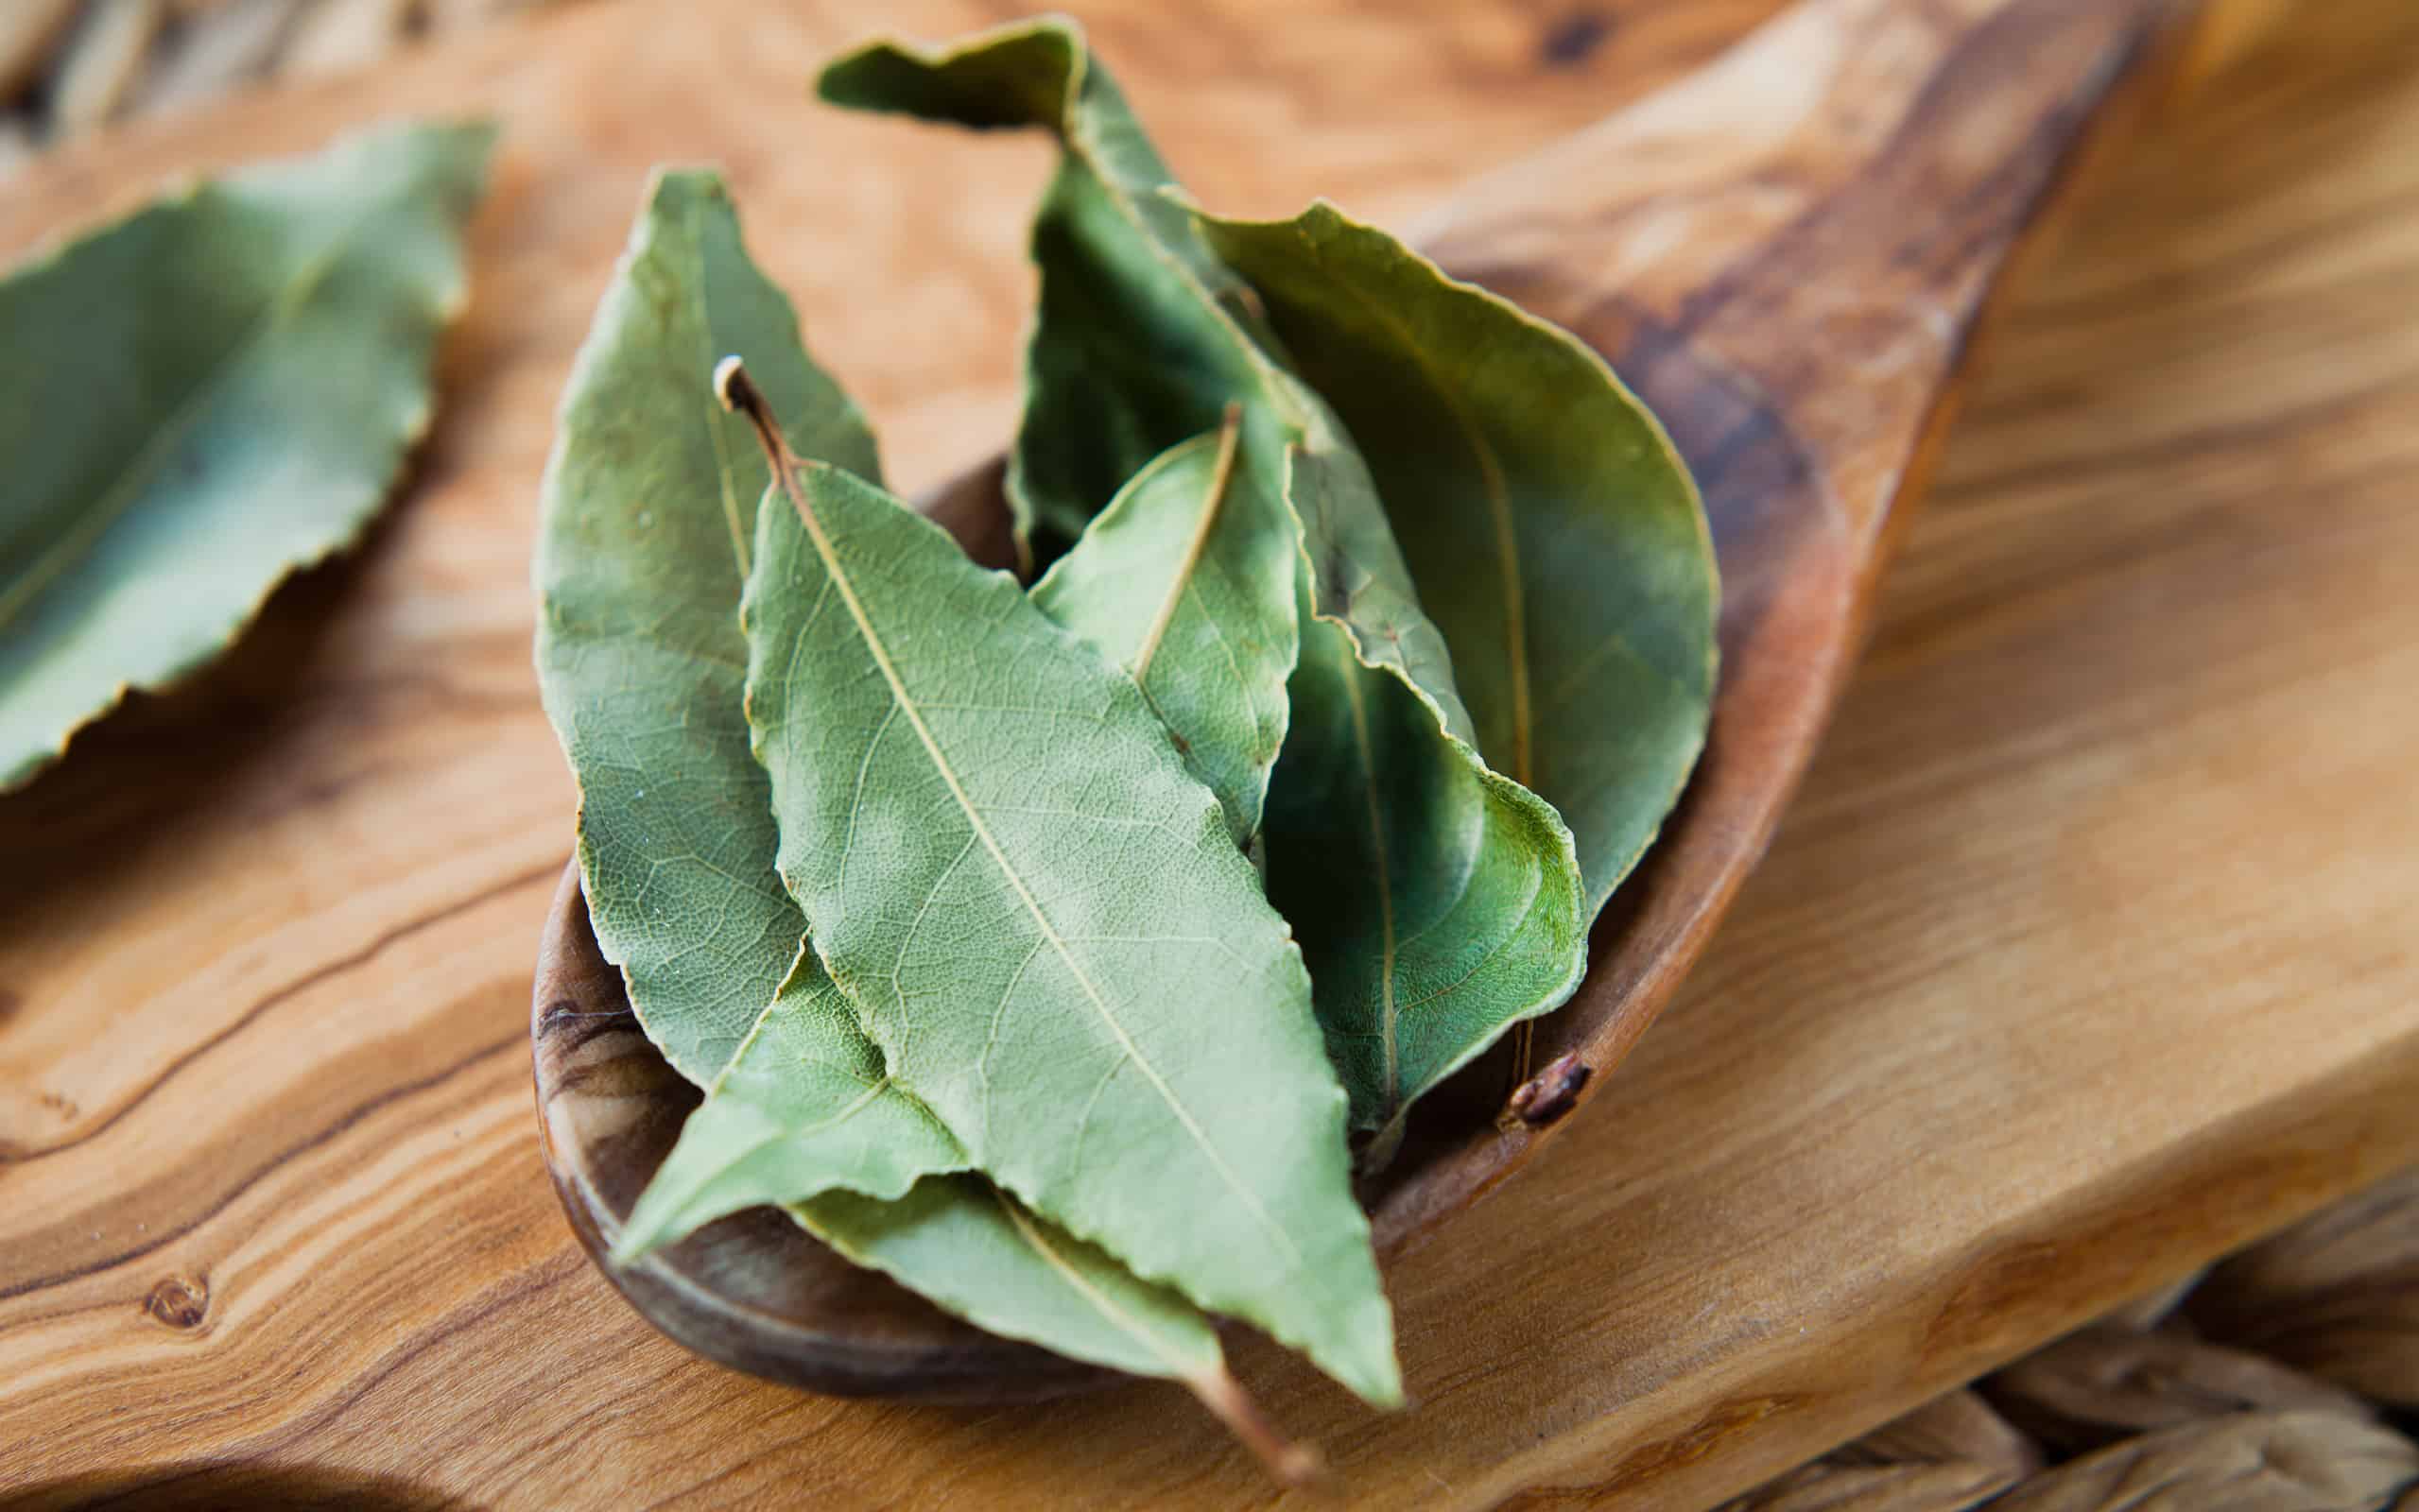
{"points": [[1790, 256]]}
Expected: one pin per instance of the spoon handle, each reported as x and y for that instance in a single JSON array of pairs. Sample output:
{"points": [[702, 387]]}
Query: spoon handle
{"points": [[1819, 216]]}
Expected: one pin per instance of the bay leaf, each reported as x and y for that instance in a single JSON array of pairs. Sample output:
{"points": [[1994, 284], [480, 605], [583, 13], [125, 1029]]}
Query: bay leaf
{"points": [[648, 521], [203, 397], [1552, 532], [1438, 902], [647, 516], [1044, 919], [981, 1254], [804, 1105], [807, 1080], [1186, 581]]}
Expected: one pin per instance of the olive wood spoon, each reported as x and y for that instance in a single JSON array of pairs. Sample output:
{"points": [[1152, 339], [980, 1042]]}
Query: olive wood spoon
{"points": [[1788, 256]]}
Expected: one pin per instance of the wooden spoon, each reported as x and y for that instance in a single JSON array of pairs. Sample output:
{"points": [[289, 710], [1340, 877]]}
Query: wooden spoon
{"points": [[1789, 255]]}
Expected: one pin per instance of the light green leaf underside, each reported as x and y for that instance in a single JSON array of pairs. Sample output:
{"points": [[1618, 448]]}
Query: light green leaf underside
{"points": [[1186, 582], [1045, 923], [1437, 901], [203, 397], [807, 1098], [1554, 533], [643, 665], [647, 511], [980, 1254], [804, 1105]]}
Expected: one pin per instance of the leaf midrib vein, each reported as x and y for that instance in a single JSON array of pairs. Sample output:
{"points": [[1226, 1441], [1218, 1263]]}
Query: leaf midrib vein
{"points": [[1388, 1012], [1100, 1302], [1516, 591], [881, 652], [128, 486]]}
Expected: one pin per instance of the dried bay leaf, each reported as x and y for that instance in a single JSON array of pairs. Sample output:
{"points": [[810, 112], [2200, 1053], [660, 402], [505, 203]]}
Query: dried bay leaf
{"points": [[260, 347], [1552, 532], [1437, 901], [647, 519], [804, 1106], [980, 1254], [1186, 582], [1044, 921]]}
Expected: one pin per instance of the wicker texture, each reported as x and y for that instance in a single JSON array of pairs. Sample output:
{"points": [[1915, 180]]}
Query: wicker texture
{"points": [[71, 66], [2285, 1379]]}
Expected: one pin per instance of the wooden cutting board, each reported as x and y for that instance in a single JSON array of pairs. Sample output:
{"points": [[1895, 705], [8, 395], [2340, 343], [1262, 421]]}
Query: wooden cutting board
{"points": [[2090, 950]]}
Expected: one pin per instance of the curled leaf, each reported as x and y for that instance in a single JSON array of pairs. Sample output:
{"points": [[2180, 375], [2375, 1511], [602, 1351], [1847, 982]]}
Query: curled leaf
{"points": [[1552, 532], [1186, 581]]}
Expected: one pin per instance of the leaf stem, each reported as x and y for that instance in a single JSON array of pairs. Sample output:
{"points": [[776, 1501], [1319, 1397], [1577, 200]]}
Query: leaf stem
{"points": [[1293, 1465], [740, 395]]}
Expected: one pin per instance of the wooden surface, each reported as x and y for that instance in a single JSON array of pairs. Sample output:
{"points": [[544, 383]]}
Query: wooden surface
{"points": [[2087, 953]]}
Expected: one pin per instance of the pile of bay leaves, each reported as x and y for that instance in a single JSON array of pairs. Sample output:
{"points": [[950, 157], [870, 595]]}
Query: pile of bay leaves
{"points": [[1045, 948]]}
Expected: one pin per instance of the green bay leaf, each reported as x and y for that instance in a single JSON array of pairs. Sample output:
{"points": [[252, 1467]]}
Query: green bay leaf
{"points": [[954, 1237], [202, 398], [1553, 532], [806, 1105], [979, 1253], [1046, 923], [1438, 902], [646, 526], [1186, 581], [647, 515]]}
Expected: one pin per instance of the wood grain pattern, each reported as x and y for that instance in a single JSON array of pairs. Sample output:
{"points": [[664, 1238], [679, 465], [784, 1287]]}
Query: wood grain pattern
{"points": [[2083, 956]]}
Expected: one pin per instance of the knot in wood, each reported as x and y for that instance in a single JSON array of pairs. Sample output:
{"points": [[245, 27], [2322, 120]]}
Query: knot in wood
{"points": [[1551, 1094], [180, 1301]]}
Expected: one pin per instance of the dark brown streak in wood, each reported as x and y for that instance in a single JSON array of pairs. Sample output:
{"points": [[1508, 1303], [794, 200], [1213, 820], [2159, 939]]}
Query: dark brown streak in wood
{"points": [[2232, 267], [518, 1039], [563, 1265], [548, 1275], [2389, 392], [19, 1156], [1871, 195]]}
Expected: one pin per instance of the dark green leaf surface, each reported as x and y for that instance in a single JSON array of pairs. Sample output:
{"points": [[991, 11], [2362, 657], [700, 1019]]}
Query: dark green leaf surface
{"points": [[649, 517], [204, 397], [1553, 533], [1046, 923], [1437, 901], [1475, 924], [1118, 367]]}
